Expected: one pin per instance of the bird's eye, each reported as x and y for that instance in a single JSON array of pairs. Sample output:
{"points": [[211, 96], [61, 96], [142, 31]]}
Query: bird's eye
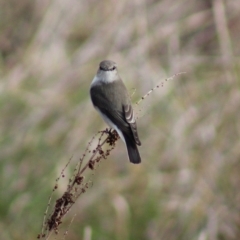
{"points": [[114, 68]]}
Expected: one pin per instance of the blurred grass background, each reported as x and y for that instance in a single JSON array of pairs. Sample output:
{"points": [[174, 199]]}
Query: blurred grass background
{"points": [[187, 186]]}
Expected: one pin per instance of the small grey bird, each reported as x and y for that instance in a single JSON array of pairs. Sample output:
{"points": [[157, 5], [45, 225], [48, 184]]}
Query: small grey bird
{"points": [[110, 98]]}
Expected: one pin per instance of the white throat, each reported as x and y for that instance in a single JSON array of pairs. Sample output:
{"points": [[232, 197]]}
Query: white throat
{"points": [[105, 77]]}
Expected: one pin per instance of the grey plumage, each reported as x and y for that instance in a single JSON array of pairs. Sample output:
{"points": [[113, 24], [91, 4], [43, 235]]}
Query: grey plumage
{"points": [[110, 97]]}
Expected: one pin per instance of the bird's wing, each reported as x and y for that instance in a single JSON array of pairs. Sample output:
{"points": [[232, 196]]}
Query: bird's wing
{"points": [[122, 116], [129, 116], [101, 100]]}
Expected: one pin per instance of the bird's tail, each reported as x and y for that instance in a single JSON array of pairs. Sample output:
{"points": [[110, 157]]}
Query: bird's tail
{"points": [[133, 152]]}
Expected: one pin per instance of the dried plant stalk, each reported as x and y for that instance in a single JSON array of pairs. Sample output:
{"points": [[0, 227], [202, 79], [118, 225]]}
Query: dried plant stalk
{"points": [[77, 184]]}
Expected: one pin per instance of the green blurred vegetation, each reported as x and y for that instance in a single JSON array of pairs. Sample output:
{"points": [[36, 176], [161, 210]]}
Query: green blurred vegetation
{"points": [[188, 184]]}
